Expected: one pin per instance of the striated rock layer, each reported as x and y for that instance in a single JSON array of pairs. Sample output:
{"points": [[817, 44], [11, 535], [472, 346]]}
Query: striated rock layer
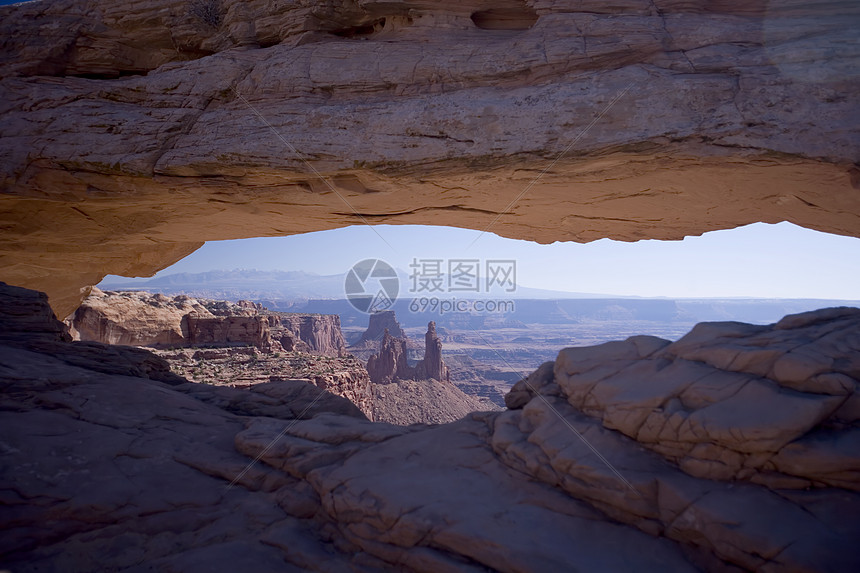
{"points": [[249, 368], [432, 366], [133, 132], [145, 319], [378, 324], [391, 364], [242, 343], [314, 333], [777, 405], [404, 394], [135, 319], [559, 483]]}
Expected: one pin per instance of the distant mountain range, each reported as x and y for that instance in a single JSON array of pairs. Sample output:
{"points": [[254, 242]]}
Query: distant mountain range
{"points": [[298, 291], [249, 284], [296, 286], [583, 310]]}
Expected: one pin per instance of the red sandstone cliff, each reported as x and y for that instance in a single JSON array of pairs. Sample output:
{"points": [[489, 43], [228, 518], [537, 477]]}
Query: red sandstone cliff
{"points": [[391, 364], [145, 319], [227, 330], [432, 366], [378, 324], [314, 333]]}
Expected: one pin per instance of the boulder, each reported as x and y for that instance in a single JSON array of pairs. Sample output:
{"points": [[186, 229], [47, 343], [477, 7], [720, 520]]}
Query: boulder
{"points": [[728, 400]]}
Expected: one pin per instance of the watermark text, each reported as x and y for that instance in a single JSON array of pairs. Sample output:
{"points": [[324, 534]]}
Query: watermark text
{"points": [[448, 305]]}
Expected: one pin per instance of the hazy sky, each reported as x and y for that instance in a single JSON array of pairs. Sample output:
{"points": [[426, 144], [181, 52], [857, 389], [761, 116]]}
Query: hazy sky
{"points": [[760, 260]]}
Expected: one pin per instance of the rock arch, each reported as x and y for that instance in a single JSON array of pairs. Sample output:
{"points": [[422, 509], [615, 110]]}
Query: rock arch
{"points": [[135, 134]]}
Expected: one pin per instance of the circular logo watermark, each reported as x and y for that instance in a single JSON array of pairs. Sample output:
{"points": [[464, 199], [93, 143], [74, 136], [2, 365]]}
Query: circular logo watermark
{"points": [[371, 286]]}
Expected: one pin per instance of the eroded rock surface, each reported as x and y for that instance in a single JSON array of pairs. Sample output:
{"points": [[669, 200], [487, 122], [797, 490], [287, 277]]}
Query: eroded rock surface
{"points": [[222, 343], [378, 323], [728, 401], [391, 363], [314, 333], [408, 394], [644, 119], [406, 402], [139, 319], [249, 368], [431, 366], [96, 460], [146, 319]]}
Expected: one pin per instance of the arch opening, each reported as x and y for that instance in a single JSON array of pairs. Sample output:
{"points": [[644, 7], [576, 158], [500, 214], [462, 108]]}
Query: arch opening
{"points": [[497, 305]]}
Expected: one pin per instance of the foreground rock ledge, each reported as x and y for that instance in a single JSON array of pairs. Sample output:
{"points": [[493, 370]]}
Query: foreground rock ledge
{"points": [[132, 133], [110, 462]]}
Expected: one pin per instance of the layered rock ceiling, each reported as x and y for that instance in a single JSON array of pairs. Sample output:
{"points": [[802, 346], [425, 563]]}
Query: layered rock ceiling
{"points": [[133, 132]]}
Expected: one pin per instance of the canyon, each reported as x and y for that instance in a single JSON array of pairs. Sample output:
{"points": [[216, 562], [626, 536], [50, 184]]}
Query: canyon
{"points": [[226, 344], [244, 345], [732, 448], [406, 394], [132, 133]]}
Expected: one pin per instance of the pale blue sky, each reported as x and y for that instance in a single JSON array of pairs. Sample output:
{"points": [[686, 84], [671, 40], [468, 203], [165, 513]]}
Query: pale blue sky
{"points": [[760, 260]]}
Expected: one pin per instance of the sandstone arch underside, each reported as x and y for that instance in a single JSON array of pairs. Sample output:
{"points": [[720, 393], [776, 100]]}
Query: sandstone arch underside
{"points": [[132, 133]]}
